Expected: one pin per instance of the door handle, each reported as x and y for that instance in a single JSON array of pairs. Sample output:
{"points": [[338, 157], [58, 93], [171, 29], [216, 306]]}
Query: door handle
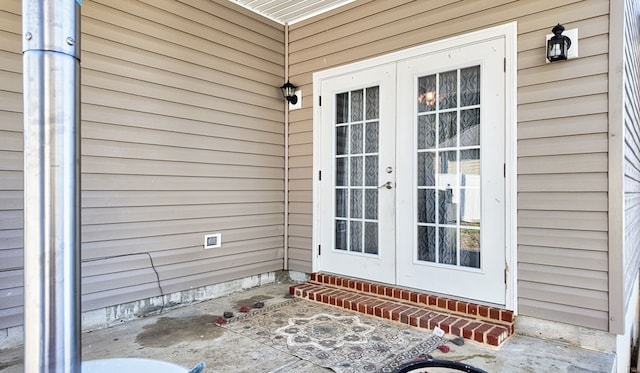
{"points": [[387, 185]]}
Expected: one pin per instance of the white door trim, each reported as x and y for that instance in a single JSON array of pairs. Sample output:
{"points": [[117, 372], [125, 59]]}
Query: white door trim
{"points": [[509, 33]]}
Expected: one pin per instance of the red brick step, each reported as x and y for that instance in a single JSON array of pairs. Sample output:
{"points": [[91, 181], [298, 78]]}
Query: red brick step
{"points": [[483, 324]]}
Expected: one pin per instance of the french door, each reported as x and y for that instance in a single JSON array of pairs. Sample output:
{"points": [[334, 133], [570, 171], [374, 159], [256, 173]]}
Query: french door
{"points": [[412, 160], [358, 177]]}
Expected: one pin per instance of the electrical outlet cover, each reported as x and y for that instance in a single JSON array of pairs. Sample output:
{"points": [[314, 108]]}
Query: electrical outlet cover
{"points": [[212, 241]]}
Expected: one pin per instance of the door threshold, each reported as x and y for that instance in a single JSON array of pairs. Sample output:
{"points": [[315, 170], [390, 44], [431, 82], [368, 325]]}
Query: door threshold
{"points": [[480, 323]]}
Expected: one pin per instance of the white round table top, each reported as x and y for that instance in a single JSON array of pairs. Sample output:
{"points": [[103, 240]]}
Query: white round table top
{"points": [[130, 365]]}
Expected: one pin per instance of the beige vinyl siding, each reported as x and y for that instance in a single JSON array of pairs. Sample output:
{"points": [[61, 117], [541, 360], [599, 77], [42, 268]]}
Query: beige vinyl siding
{"points": [[11, 255], [562, 133], [182, 135], [191, 106], [300, 196]]}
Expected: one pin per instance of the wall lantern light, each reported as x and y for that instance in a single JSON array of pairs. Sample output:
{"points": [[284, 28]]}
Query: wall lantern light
{"points": [[558, 45], [289, 92]]}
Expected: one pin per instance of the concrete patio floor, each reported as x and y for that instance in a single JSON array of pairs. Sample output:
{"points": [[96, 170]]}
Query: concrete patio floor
{"points": [[178, 336]]}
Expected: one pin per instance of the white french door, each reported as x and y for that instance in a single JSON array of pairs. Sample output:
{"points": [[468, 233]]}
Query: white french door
{"points": [[451, 203], [412, 156], [358, 155]]}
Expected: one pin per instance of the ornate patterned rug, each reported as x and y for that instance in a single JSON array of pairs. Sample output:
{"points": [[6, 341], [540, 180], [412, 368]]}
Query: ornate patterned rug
{"points": [[334, 338]]}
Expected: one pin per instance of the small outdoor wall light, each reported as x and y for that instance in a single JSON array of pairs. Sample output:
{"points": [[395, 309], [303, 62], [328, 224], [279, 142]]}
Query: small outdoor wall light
{"points": [[558, 45], [289, 92]]}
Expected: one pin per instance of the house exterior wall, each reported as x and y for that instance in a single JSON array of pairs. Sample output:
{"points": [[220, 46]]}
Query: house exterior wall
{"points": [[562, 134], [631, 146], [182, 135]]}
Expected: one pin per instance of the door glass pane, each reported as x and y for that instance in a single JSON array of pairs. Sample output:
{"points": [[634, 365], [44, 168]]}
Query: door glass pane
{"points": [[448, 87], [426, 206], [371, 204], [470, 248], [448, 129], [356, 203], [371, 170], [470, 127], [426, 169], [341, 203], [342, 133], [427, 131], [357, 171], [357, 105], [447, 206], [426, 93], [427, 243], [373, 103], [470, 86], [371, 143], [448, 188], [470, 207], [342, 172], [448, 242], [341, 235], [342, 108], [371, 238], [447, 165], [356, 236], [470, 167], [356, 138]]}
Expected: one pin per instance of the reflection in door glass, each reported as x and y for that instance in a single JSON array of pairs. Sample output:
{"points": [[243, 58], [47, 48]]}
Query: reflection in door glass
{"points": [[470, 127], [356, 170], [448, 188]]}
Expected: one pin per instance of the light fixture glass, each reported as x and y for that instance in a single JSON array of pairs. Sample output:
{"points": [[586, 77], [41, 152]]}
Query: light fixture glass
{"points": [[558, 46], [289, 92]]}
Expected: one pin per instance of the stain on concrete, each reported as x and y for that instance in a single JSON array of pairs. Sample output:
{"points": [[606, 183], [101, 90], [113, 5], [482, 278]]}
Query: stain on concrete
{"points": [[168, 331], [249, 302], [10, 363]]}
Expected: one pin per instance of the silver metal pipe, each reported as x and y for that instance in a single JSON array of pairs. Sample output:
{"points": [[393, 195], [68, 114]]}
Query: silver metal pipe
{"points": [[286, 152], [51, 69]]}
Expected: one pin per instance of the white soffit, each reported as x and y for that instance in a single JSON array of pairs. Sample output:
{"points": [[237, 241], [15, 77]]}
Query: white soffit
{"points": [[290, 11]]}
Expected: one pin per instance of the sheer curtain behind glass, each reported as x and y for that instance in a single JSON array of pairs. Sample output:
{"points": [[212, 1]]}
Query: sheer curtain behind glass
{"points": [[448, 167], [356, 165]]}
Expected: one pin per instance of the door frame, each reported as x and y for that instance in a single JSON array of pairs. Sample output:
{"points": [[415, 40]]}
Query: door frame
{"points": [[508, 32]]}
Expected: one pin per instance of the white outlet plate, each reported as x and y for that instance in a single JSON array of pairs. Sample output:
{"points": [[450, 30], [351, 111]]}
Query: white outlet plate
{"points": [[212, 241]]}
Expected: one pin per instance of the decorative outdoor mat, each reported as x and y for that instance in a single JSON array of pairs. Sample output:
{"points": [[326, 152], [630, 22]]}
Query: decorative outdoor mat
{"points": [[338, 339]]}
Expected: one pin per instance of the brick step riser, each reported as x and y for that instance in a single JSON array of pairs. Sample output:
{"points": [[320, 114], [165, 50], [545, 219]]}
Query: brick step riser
{"points": [[457, 307], [488, 333]]}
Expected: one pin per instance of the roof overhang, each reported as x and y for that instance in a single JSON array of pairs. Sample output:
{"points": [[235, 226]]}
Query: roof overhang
{"points": [[290, 11]]}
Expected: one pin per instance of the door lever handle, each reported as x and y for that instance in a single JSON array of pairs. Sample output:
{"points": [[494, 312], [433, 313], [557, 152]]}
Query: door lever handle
{"points": [[387, 185]]}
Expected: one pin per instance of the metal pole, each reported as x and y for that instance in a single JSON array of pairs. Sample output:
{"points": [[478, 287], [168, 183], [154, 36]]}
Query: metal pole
{"points": [[51, 68], [286, 152]]}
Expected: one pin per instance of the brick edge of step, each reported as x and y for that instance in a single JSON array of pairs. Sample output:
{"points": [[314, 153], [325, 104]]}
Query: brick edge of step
{"points": [[418, 315], [463, 308]]}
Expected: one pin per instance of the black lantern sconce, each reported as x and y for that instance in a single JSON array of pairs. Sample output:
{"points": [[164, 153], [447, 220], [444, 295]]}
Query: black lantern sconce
{"points": [[289, 92], [558, 46]]}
